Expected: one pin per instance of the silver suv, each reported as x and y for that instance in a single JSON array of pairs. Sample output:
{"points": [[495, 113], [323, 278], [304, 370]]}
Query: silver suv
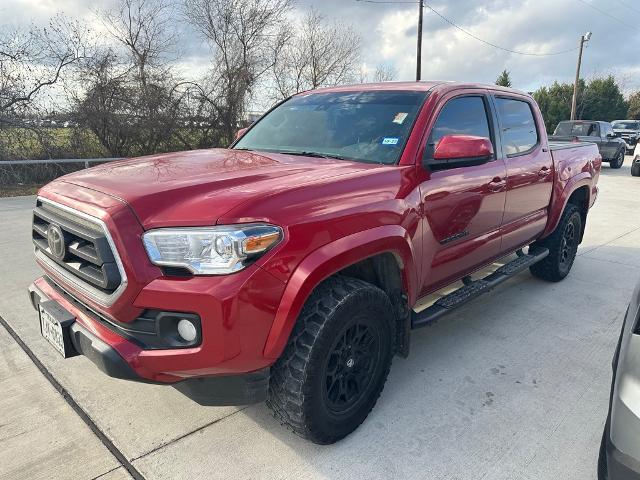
{"points": [[620, 449]]}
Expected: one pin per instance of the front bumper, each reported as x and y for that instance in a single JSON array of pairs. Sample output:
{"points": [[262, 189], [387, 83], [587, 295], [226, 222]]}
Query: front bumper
{"points": [[105, 349]]}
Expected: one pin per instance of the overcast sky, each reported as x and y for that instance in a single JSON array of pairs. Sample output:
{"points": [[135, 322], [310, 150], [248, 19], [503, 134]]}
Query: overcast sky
{"points": [[388, 32]]}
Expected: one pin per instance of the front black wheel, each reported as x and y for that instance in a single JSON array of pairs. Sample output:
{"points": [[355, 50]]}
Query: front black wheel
{"points": [[635, 169], [618, 161], [336, 362], [563, 247]]}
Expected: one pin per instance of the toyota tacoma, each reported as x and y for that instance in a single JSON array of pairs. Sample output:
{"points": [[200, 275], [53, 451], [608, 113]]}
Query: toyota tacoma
{"points": [[292, 266]]}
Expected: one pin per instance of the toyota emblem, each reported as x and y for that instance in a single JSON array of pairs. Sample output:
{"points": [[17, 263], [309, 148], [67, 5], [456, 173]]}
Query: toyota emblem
{"points": [[55, 240]]}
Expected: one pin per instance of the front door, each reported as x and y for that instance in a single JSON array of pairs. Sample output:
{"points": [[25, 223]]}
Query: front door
{"points": [[462, 206], [529, 171], [610, 143]]}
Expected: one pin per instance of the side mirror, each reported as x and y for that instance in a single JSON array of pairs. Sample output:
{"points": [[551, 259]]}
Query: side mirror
{"points": [[241, 132], [461, 151]]}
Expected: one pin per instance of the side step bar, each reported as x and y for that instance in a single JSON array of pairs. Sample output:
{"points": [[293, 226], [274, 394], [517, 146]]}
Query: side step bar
{"points": [[475, 288]]}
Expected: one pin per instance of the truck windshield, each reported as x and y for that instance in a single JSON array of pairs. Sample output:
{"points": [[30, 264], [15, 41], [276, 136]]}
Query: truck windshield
{"points": [[626, 125], [366, 126], [580, 129]]}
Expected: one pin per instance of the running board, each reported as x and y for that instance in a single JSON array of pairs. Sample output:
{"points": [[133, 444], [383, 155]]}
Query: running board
{"points": [[474, 288]]}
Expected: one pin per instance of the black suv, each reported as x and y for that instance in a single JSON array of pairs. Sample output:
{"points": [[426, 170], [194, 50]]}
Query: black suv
{"points": [[629, 131], [611, 146]]}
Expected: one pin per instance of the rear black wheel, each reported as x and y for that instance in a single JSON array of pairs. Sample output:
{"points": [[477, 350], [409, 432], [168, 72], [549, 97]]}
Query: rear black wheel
{"points": [[336, 363], [563, 246], [618, 161], [635, 169]]}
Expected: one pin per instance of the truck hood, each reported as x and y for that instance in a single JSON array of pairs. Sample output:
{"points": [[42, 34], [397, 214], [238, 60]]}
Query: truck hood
{"points": [[197, 187]]}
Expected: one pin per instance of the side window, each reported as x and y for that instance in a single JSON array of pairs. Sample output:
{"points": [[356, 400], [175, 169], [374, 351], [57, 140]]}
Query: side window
{"points": [[606, 129], [519, 133], [460, 116]]}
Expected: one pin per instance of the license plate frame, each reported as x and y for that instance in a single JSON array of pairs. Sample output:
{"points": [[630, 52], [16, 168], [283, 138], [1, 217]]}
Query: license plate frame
{"points": [[55, 323]]}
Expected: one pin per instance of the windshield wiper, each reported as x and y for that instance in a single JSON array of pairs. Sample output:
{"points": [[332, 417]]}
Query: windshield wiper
{"points": [[313, 154]]}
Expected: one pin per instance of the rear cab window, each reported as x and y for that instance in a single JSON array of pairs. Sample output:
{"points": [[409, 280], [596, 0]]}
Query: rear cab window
{"points": [[579, 129], [518, 126]]}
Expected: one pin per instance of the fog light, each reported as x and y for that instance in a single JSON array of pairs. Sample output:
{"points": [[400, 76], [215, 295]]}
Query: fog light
{"points": [[187, 330]]}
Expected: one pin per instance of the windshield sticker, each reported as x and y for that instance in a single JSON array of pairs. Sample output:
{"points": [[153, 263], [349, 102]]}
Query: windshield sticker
{"points": [[390, 141], [400, 117]]}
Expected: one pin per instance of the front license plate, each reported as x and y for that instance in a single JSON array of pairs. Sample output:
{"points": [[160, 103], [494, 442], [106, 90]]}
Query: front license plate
{"points": [[54, 326]]}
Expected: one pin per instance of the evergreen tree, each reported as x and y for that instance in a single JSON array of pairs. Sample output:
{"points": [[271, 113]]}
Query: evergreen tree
{"points": [[634, 106], [504, 79]]}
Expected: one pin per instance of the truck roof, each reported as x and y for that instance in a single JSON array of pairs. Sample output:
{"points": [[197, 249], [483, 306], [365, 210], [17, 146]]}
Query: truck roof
{"points": [[425, 86]]}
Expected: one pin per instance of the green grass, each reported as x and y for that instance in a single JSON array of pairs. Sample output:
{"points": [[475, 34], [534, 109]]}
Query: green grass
{"points": [[23, 143]]}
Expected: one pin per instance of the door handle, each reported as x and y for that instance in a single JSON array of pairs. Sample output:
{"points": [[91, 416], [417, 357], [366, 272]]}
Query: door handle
{"points": [[497, 184], [544, 171]]}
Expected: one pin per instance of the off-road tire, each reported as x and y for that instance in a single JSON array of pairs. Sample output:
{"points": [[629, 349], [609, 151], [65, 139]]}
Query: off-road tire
{"points": [[558, 263], [618, 161], [635, 169], [298, 390]]}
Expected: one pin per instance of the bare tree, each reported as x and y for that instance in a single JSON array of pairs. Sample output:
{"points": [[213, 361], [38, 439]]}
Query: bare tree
{"points": [[34, 60], [323, 53], [243, 35], [145, 28], [132, 99], [384, 73]]}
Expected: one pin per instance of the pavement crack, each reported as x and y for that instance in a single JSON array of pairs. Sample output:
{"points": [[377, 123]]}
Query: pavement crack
{"points": [[159, 447], [106, 473], [84, 416]]}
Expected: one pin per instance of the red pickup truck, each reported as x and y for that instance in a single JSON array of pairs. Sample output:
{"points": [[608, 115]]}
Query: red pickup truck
{"points": [[290, 267]]}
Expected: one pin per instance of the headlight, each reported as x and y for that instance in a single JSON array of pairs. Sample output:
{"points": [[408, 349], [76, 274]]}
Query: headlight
{"points": [[210, 250]]}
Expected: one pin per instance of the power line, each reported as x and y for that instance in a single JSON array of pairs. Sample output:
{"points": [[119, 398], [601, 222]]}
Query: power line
{"points": [[475, 37], [607, 14], [629, 6], [453, 24]]}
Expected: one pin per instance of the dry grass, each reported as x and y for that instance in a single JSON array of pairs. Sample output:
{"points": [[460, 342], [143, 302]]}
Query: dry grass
{"points": [[19, 190]]}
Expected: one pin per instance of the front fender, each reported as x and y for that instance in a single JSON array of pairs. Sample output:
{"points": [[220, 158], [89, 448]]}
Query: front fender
{"points": [[330, 259], [561, 197]]}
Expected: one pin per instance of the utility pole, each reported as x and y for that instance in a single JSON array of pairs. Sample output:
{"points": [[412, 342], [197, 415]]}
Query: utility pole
{"points": [[583, 39], [419, 53]]}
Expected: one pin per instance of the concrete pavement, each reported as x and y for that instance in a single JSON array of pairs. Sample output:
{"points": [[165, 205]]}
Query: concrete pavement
{"points": [[513, 386]]}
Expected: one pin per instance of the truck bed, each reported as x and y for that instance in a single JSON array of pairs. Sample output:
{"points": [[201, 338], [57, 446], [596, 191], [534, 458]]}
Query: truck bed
{"points": [[559, 143]]}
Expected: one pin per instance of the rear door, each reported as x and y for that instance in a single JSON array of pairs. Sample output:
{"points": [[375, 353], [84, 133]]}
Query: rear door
{"points": [[462, 206], [529, 170]]}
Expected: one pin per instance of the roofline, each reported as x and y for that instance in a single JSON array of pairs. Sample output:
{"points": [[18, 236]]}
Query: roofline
{"points": [[418, 86]]}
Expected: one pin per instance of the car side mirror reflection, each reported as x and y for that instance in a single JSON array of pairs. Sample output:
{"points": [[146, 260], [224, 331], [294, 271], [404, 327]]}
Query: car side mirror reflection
{"points": [[241, 132], [461, 151]]}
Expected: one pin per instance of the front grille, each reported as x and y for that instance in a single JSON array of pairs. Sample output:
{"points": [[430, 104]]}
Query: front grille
{"points": [[77, 244]]}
